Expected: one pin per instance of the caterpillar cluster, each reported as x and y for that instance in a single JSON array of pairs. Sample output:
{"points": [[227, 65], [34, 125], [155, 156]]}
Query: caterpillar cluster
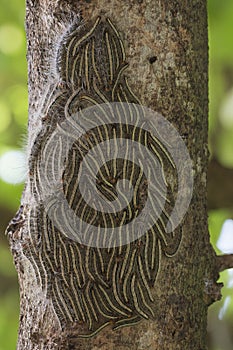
{"points": [[97, 285]]}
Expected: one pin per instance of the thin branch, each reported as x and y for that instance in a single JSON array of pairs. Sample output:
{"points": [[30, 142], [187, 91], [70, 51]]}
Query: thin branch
{"points": [[224, 262]]}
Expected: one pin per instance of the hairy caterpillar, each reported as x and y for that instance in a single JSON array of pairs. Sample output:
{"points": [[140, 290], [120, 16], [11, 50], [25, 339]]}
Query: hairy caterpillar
{"points": [[93, 285]]}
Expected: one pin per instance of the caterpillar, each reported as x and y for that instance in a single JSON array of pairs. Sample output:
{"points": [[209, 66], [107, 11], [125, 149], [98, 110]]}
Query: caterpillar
{"points": [[100, 278]]}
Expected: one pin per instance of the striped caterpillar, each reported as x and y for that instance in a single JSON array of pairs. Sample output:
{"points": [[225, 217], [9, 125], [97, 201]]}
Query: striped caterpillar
{"points": [[94, 285]]}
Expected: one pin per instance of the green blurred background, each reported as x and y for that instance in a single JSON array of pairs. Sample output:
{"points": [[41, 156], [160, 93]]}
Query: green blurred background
{"points": [[13, 122]]}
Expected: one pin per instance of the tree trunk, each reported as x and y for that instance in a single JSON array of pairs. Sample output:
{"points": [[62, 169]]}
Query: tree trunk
{"points": [[166, 48]]}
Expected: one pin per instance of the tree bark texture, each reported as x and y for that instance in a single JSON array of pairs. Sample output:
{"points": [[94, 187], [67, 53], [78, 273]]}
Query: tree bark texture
{"points": [[166, 49]]}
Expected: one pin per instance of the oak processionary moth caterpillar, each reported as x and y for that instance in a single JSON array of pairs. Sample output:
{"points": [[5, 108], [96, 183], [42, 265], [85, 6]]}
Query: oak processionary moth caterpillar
{"points": [[93, 286]]}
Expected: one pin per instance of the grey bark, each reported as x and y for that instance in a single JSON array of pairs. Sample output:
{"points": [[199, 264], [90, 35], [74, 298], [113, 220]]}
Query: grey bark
{"points": [[167, 51]]}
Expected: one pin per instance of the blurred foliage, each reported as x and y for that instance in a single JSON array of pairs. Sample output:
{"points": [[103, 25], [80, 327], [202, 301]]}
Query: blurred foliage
{"points": [[221, 146], [221, 80], [13, 121], [13, 112]]}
